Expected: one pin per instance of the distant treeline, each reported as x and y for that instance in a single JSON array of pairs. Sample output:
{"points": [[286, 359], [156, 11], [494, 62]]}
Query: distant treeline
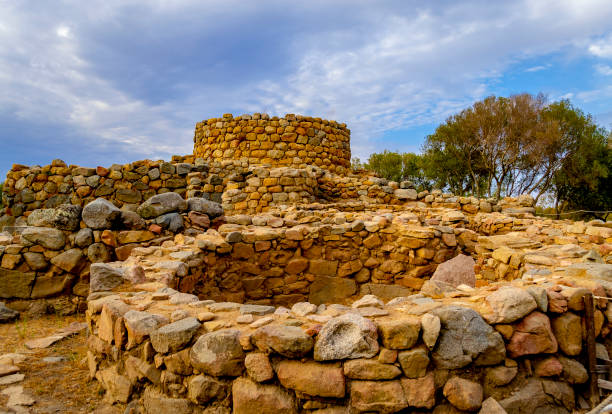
{"points": [[509, 146]]}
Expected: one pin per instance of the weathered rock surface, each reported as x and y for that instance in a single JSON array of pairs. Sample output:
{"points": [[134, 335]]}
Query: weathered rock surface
{"points": [[463, 394], [160, 204], [218, 353], [7, 315], [567, 330], [463, 337], [399, 334], [456, 271], [370, 369], [312, 378], [52, 239], [509, 304], [348, 336], [289, 341], [250, 397], [173, 337], [378, 396], [201, 205], [157, 403], [104, 277], [101, 214], [532, 335], [420, 392]]}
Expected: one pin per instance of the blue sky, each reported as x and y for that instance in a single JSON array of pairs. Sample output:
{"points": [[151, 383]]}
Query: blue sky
{"points": [[102, 82]]}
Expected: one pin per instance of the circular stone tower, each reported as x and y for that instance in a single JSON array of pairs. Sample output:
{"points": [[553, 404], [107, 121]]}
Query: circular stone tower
{"points": [[291, 141]]}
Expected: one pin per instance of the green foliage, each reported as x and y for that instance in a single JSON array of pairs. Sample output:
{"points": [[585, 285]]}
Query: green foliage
{"points": [[584, 179], [511, 146], [399, 167]]}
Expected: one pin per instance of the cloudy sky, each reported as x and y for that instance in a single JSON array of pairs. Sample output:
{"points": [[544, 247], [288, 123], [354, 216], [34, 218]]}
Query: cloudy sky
{"points": [[97, 82]]}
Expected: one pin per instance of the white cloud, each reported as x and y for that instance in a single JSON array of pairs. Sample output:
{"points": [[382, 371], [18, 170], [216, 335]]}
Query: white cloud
{"points": [[537, 68], [63, 31], [602, 48], [380, 67], [603, 69]]}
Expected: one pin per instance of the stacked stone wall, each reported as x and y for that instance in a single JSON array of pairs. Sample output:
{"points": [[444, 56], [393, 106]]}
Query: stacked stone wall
{"points": [[264, 188], [513, 349], [292, 141], [29, 188], [323, 264], [51, 255]]}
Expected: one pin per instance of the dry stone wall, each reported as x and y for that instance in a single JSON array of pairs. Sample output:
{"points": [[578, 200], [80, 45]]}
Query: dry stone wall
{"points": [[30, 188], [261, 188], [270, 260], [51, 257], [500, 349], [292, 141]]}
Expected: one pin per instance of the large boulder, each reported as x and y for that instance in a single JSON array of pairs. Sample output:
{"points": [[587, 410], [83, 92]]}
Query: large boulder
{"points": [[52, 239], [288, 341], [139, 326], [173, 337], [42, 217], [312, 378], [104, 277], [67, 217], [567, 330], [101, 214], [161, 204], [250, 397], [465, 337], [348, 336], [509, 304], [533, 335], [218, 353], [202, 205], [399, 333], [378, 396], [463, 394], [70, 261], [456, 271], [173, 222]]}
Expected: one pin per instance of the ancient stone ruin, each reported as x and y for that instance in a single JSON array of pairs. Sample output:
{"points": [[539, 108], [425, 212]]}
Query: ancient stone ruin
{"points": [[262, 275]]}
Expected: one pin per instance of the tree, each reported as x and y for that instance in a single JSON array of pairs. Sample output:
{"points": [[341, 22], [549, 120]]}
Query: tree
{"points": [[583, 180], [387, 164], [506, 146], [399, 167]]}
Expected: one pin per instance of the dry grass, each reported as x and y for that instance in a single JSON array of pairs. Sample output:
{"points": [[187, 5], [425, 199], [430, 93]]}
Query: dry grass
{"points": [[61, 387]]}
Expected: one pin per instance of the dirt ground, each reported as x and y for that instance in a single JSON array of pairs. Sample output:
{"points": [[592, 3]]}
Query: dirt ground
{"points": [[57, 387]]}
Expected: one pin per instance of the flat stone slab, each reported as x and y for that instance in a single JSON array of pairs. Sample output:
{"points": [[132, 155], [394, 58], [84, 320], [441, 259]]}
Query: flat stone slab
{"points": [[6, 369], [18, 396], [70, 330], [11, 379]]}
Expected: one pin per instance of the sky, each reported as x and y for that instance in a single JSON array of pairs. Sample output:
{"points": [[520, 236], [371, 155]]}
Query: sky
{"points": [[113, 81]]}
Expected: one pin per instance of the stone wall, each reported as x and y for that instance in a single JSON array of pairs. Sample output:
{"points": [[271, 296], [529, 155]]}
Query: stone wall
{"points": [[261, 188], [270, 260], [52, 256], [30, 188], [500, 349], [292, 141]]}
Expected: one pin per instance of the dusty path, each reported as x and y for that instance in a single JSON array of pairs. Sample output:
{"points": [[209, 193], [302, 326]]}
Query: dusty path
{"points": [[60, 384]]}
